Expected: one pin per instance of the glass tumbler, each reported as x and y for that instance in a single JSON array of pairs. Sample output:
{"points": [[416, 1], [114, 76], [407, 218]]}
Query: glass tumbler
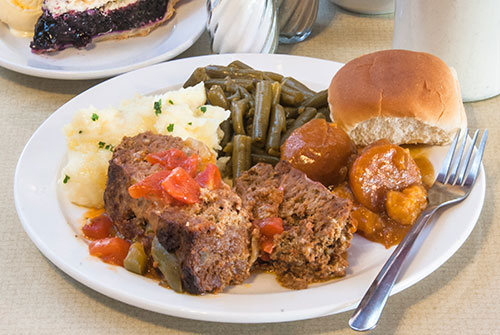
{"points": [[242, 26], [296, 18]]}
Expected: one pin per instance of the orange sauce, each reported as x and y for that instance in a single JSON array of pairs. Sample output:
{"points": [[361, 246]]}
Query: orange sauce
{"points": [[92, 213], [424, 165], [378, 226]]}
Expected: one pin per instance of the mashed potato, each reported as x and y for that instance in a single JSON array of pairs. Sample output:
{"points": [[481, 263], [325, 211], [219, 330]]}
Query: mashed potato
{"points": [[93, 134]]}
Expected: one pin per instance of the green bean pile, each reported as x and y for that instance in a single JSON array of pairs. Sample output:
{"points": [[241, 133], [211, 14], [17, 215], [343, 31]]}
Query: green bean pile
{"points": [[266, 108]]}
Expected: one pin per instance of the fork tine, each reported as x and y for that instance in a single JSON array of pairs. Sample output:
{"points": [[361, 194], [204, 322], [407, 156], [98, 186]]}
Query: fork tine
{"points": [[441, 177], [476, 163], [458, 159], [467, 160]]}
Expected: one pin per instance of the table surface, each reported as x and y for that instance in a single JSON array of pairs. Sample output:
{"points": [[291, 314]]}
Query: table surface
{"points": [[461, 297]]}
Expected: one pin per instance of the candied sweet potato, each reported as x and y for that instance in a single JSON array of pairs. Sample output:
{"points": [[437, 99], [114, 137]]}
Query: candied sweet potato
{"points": [[380, 168], [320, 150]]}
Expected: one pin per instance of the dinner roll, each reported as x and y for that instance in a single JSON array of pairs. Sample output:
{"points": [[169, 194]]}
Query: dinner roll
{"points": [[403, 96]]}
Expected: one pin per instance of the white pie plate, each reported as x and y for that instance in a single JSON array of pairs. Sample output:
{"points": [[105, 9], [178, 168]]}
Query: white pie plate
{"points": [[107, 58], [52, 222]]}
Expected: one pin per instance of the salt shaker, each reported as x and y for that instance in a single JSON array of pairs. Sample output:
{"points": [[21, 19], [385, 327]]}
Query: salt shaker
{"points": [[296, 18], [242, 26]]}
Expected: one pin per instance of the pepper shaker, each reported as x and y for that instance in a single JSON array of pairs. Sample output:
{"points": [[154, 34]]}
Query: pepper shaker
{"points": [[296, 18]]}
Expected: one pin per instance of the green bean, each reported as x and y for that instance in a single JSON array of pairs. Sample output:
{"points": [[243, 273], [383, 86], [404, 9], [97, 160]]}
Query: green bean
{"points": [[228, 149], [298, 86], [167, 264], [291, 91], [239, 65], [249, 125], [257, 158], [230, 85], [256, 150], [228, 168], [235, 96], [263, 101], [238, 110], [217, 71], [291, 100], [326, 112], [302, 119], [217, 97], [245, 94], [250, 113], [227, 128], [276, 87], [289, 123], [291, 112], [318, 100], [136, 260], [278, 124], [319, 116], [249, 73], [274, 76], [242, 159], [196, 77]]}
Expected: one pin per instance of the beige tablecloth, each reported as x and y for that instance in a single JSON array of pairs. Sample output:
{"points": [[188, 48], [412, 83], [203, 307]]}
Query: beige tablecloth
{"points": [[461, 297]]}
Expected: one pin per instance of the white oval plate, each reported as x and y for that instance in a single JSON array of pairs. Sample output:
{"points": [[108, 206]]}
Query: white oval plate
{"points": [[107, 58], [52, 222]]}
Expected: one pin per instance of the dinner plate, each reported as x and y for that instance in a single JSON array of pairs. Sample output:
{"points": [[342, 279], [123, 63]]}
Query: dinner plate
{"points": [[54, 225], [107, 58]]}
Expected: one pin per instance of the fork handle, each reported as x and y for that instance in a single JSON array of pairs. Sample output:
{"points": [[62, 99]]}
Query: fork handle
{"points": [[371, 306]]}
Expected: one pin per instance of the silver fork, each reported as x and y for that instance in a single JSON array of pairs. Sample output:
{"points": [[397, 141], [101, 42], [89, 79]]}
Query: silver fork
{"points": [[453, 184]]}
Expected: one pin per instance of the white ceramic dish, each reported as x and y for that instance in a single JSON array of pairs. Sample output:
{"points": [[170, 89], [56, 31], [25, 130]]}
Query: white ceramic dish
{"points": [[52, 222], [107, 58]]}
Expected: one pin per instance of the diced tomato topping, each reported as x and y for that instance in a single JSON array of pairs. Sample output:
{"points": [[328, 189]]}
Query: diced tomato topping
{"points": [[182, 187], [190, 165], [150, 187], [112, 250], [267, 245], [210, 177], [170, 158], [98, 227], [270, 226]]}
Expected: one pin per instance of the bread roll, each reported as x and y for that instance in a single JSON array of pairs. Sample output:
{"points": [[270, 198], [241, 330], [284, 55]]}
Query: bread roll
{"points": [[403, 96]]}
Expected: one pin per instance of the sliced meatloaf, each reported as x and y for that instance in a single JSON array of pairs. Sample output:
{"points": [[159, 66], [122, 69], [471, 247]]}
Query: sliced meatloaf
{"points": [[210, 238], [317, 224]]}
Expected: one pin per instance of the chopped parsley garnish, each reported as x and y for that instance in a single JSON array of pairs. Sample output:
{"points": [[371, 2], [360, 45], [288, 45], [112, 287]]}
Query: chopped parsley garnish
{"points": [[94, 117], [190, 123], [66, 178], [170, 128], [157, 107], [170, 102], [203, 109], [103, 145]]}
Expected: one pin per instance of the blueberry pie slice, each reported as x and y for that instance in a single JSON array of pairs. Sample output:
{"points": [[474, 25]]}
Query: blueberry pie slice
{"points": [[66, 23]]}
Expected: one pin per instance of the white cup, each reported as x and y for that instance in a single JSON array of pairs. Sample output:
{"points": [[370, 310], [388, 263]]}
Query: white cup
{"points": [[463, 33]]}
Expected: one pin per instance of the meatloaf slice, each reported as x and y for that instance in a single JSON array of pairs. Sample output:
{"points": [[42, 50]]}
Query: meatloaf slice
{"points": [[210, 238], [317, 224]]}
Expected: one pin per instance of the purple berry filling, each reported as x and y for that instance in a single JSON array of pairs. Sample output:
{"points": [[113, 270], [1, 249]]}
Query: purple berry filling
{"points": [[79, 28]]}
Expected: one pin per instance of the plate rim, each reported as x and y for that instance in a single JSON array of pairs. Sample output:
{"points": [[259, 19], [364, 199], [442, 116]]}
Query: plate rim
{"points": [[234, 316], [106, 73]]}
